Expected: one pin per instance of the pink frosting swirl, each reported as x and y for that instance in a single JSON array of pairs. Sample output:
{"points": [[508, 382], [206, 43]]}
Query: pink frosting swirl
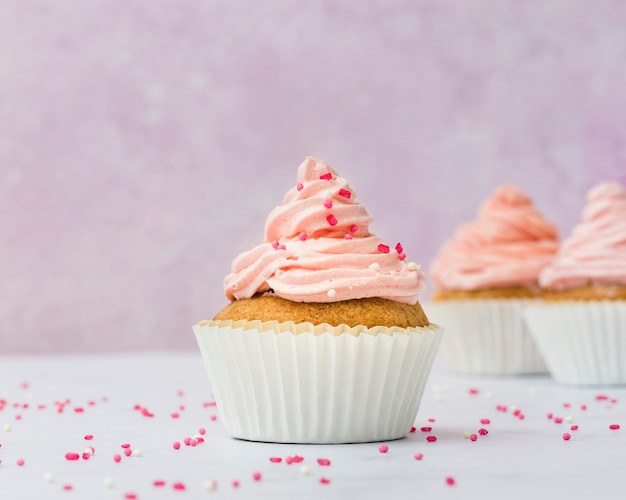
{"points": [[318, 248], [595, 252], [507, 245]]}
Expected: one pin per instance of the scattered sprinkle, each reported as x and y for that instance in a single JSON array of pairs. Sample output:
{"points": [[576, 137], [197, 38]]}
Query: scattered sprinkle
{"points": [[88, 437], [450, 481], [48, 477], [117, 458], [324, 480], [375, 266], [345, 193], [331, 220], [382, 248], [383, 448], [431, 439], [235, 483], [331, 293], [303, 236], [176, 445], [418, 456], [276, 460], [209, 485], [323, 461], [20, 462], [256, 476], [305, 470], [566, 436], [299, 186], [354, 228], [326, 177], [179, 486], [328, 204], [473, 437], [614, 427], [158, 483], [71, 456]]}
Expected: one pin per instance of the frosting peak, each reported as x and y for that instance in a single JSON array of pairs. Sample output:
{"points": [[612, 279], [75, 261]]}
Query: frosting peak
{"points": [[595, 252], [507, 245], [318, 248]]}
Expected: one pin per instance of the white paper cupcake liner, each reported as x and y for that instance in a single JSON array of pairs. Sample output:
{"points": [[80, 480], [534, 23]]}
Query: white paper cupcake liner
{"points": [[583, 343], [302, 384], [486, 337]]}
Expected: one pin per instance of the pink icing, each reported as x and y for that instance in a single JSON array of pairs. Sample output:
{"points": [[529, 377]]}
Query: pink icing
{"points": [[315, 251], [595, 252], [507, 245]]}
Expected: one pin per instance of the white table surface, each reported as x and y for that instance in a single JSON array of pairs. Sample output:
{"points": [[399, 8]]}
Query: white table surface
{"points": [[518, 458]]}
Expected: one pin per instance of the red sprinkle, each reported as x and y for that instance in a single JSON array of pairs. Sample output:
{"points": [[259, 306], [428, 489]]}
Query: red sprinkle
{"points": [[383, 248], [413, 429], [431, 439], [72, 456], [473, 437], [483, 432], [303, 236], [345, 193], [558, 420], [126, 445], [176, 445], [324, 480], [614, 427], [426, 429], [383, 448], [566, 436], [326, 177], [276, 460], [88, 437], [485, 421], [574, 427], [256, 476], [323, 461], [131, 496], [399, 248], [450, 481], [331, 220], [159, 483], [117, 458], [354, 228], [67, 487], [179, 486], [328, 204]]}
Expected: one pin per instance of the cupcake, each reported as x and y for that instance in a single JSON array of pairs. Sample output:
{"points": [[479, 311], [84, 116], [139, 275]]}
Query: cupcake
{"points": [[580, 326], [323, 340], [483, 277]]}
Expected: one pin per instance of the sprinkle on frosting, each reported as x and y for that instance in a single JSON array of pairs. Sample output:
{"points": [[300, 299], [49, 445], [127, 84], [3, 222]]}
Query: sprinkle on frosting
{"points": [[595, 252], [336, 254], [328, 203], [507, 245]]}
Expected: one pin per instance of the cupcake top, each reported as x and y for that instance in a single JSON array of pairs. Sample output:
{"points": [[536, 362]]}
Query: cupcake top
{"points": [[318, 248], [507, 245], [595, 252]]}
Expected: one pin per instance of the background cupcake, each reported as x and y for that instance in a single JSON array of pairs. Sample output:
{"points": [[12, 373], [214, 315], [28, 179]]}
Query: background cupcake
{"points": [[324, 340], [484, 276], [581, 325]]}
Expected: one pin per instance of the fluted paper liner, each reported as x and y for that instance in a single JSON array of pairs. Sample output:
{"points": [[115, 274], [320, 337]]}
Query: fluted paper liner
{"points": [[486, 337], [299, 383], [583, 343]]}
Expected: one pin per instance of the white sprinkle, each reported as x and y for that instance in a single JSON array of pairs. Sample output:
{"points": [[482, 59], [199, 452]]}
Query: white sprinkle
{"points": [[375, 266], [512, 407], [7, 428], [438, 397], [331, 293], [108, 482], [466, 435], [209, 485], [487, 395], [569, 419], [411, 266], [137, 452], [305, 470], [329, 194], [48, 477], [532, 390], [88, 450]]}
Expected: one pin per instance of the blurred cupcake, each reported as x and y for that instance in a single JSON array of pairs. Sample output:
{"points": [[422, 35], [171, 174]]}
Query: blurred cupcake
{"points": [[324, 340], [484, 276], [580, 327]]}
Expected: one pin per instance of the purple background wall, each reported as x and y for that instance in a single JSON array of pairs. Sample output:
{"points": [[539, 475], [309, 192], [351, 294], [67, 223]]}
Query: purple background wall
{"points": [[143, 143]]}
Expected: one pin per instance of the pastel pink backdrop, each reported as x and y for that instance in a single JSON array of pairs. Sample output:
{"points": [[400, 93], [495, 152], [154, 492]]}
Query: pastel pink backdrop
{"points": [[143, 143]]}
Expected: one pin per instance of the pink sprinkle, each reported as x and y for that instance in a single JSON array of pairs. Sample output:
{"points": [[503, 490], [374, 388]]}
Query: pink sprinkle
{"points": [[383, 248], [347, 236], [418, 456], [483, 432], [431, 439], [574, 427], [179, 486], [275, 244], [558, 420], [303, 236], [326, 177], [126, 445], [20, 461], [328, 203], [549, 416], [176, 445], [213, 418], [401, 256], [72, 456], [193, 442], [235, 483], [566, 405], [331, 220], [485, 421], [288, 460], [256, 476], [187, 440], [345, 193], [324, 480], [128, 452], [175, 415], [86, 455], [323, 461], [450, 481], [614, 427], [426, 429], [383, 448], [413, 429], [299, 186], [200, 440], [131, 496], [583, 407], [601, 397], [67, 487], [147, 413], [354, 228], [159, 483], [501, 408], [566, 436], [473, 437], [117, 458], [517, 412], [276, 460], [91, 450], [297, 459], [201, 431], [88, 437], [399, 248]]}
